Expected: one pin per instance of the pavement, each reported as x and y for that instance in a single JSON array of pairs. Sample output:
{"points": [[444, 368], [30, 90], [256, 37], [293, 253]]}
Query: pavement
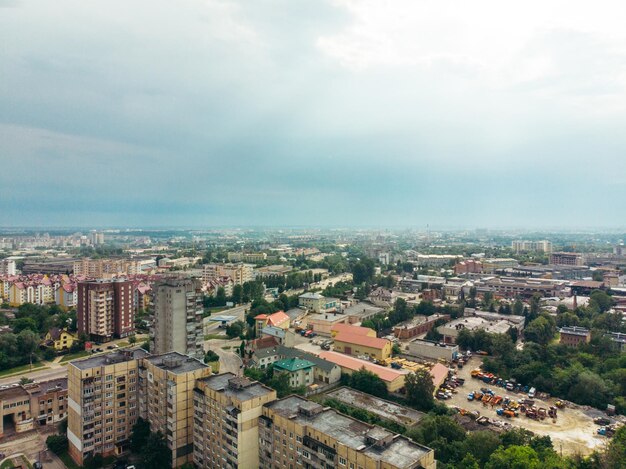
{"points": [[31, 444]]}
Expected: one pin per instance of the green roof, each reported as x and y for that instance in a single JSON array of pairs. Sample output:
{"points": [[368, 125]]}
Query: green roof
{"points": [[293, 364]]}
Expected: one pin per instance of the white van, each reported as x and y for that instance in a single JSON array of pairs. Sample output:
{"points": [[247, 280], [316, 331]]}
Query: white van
{"points": [[532, 393]]}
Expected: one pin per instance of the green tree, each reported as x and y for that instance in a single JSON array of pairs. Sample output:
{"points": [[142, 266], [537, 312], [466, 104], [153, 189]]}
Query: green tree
{"points": [[468, 462], [58, 444], [366, 381], [615, 456], [211, 356], [139, 435], [155, 453], [514, 457], [23, 324], [237, 294], [363, 271], [481, 444], [236, 329], [420, 389], [132, 339], [220, 297]]}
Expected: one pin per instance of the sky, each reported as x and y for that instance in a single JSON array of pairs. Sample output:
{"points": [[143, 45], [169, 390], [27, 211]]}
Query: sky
{"points": [[313, 113]]}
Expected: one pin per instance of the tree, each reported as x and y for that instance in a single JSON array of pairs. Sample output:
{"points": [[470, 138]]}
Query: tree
{"points": [[24, 380], [139, 435], [235, 329], [58, 444], [615, 456], [540, 330], [481, 444], [155, 453], [220, 297], [23, 324], [211, 356], [94, 462], [132, 339], [420, 389], [363, 271], [468, 462], [366, 381], [237, 294], [514, 457]]}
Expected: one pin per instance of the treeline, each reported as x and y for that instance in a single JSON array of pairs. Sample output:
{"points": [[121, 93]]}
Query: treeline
{"points": [[402, 312]]}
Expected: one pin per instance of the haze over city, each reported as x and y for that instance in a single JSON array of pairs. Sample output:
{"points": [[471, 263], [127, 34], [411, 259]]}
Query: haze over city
{"points": [[340, 113]]}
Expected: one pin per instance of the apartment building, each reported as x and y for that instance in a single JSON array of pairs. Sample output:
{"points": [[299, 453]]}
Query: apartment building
{"points": [[105, 308], [7, 267], [531, 246], [295, 432], [574, 336], [105, 268], [166, 394], [513, 287], [24, 407], [103, 403], [226, 421], [317, 303], [177, 310], [567, 258], [240, 273]]}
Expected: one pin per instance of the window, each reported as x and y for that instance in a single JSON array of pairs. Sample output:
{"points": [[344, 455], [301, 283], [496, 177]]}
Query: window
{"points": [[342, 461]]}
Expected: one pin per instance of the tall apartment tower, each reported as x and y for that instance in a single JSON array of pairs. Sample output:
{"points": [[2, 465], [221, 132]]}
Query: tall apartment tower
{"points": [[103, 403], [226, 421], [167, 396], [177, 326], [105, 308]]}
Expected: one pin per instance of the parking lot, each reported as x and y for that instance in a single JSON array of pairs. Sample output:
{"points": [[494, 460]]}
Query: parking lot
{"points": [[573, 432]]}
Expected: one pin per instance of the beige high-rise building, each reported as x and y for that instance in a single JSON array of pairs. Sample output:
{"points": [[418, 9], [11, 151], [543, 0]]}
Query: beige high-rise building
{"points": [[239, 273], [102, 403], [167, 396], [226, 421], [177, 326], [297, 433]]}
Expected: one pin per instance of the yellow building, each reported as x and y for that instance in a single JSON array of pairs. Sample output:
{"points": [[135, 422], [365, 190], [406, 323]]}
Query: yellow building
{"points": [[60, 339], [167, 394], [278, 319], [296, 432], [103, 403], [226, 421], [359, 345]]}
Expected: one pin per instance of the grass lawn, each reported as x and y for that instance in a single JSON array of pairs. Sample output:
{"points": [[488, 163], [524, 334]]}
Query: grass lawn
{"points": [[18, 370], [215, 336], [74, 356], [68, 461], [124, 343]]}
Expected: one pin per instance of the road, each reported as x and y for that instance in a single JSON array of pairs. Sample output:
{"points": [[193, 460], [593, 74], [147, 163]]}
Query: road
{"points": [[346, 276]]}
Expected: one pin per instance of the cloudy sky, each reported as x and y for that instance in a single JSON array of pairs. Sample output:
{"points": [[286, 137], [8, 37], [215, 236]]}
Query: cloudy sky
{"points": [[297, 112]]}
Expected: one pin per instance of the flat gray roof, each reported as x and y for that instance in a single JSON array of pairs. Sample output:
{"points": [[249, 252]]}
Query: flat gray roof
{"points": [[117, 356], [176, 362], [244, 389], [401, 452]]}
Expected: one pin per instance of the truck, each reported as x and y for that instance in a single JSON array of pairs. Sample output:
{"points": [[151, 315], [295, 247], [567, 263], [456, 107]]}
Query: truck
{"points": [[532, 393]]}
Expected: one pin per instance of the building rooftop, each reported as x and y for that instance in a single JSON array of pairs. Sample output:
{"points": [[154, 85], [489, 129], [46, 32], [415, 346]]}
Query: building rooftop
{"points": [[176, 362], [36, 389], [575, 330], [355, 364], [350, 329], [311, 296], [293, 364], [365, 341], [362, 309], [111, 358], [432, 343], [359, 436], [238, 388], [291, 352]]}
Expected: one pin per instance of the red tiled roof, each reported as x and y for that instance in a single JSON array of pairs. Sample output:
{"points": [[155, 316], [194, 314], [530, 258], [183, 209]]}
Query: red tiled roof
{"points": [[277, 318], [439, 373], [355, 364], [373, 342]]}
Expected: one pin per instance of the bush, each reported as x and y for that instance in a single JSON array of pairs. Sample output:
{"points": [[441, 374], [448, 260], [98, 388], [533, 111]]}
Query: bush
{"points": [[58, 444]]}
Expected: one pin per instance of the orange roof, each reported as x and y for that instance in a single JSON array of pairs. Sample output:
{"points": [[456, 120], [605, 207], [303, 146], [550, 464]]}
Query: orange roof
{"points": [[356, 330], [439, 374], [355, 364], [260, 316], [365, 341], [277, 318]]}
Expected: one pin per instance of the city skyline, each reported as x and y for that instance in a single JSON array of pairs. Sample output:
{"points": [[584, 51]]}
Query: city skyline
{"points": [[317, 114]]}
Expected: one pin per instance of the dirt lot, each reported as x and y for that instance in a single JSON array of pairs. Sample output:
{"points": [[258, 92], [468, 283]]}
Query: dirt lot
{"points": [[573, 433]]}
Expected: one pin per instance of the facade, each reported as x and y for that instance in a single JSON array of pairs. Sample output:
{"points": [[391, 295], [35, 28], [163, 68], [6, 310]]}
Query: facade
{"points": [[294, 432], [103, 402], [531, 246], [567, 258], [574, 336], [301, 372], [105, 308], [226, 421], [7, 267], [360, 345], [468, 266], [317, 303], [513, 287], [432, 350], [499, 263], [60, 339], [177, 311], [418, 325], [27, 406], [240, 273], [168, 382]]}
